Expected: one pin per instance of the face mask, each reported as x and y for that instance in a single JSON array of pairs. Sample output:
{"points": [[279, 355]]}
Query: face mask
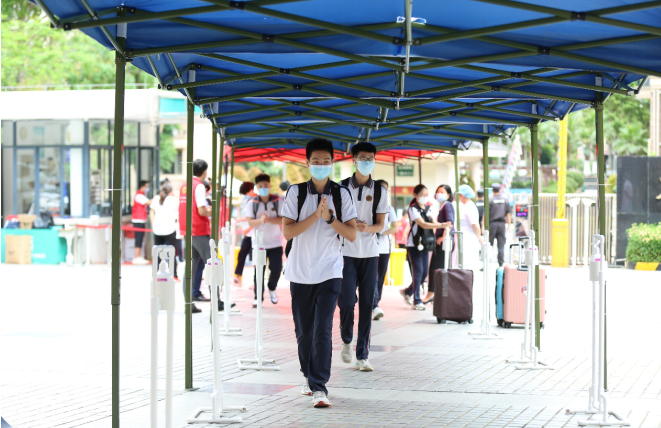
{"points": [[147, 190], [263, 191], [441, 197], [423, 200], [365, 168], [321, 172]]}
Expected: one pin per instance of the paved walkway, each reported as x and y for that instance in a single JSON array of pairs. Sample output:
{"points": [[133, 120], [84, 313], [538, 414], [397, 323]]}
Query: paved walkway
{"points": [[55, 359]]}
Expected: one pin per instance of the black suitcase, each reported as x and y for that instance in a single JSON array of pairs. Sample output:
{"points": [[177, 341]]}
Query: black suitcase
{"points": [[454, 300]]}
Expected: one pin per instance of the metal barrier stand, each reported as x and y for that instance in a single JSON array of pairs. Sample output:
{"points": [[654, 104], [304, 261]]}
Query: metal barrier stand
{"points": [[227, 278], [485, 328], [213, 274], [162, 299], [259, 260], [598, 398]]}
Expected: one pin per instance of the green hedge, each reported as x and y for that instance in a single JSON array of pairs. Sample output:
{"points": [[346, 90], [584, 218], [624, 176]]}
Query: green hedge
{"points": [[577, 177], [644, 243]]}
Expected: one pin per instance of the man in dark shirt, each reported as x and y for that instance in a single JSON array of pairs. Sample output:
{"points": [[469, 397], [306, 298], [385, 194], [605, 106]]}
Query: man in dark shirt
{"points": [[500, 219], [479, 203]]}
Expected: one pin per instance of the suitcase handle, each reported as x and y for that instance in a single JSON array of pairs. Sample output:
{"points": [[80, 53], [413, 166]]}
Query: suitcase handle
{"points": [[460, 247], [520, 266]]}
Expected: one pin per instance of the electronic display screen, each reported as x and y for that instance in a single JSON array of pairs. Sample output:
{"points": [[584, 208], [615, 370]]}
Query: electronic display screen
{"points": [[522, 211]]}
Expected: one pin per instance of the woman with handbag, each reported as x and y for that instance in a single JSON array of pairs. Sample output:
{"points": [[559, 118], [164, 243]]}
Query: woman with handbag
{"points": [[445, 215], [419, 242]]}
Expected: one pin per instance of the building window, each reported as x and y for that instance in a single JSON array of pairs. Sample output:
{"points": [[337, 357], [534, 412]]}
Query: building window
{"points": [[175, 166]]}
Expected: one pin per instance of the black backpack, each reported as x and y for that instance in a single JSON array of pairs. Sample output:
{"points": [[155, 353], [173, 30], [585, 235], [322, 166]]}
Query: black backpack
{"points": [[302, 196], [425, 237], [256, 201], [44, 221], [377, 196]]}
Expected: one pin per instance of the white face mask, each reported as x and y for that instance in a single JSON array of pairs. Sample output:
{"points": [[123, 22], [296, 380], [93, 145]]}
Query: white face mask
{"points": [[441, 197], [423, 200]]}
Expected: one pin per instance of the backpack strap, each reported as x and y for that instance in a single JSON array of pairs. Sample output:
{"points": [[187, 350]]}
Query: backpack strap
{"points": [[255, 205], [375, 202], [302, 196], [345, 182], [336, 194]]}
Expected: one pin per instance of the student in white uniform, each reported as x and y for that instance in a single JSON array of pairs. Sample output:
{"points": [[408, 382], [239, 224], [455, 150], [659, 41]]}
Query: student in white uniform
{"points": [[317, 215], [385, 248], [361, 257], [263, 212]]}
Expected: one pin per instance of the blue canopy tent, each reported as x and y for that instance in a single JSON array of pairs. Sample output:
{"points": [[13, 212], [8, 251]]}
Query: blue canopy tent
{"points": [[423, 73]]}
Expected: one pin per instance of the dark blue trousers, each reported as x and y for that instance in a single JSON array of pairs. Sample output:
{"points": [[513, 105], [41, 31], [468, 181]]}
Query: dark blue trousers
{"points": [[274, 256], [418, 261], [312, 306], [381, 278], [358, 275]]}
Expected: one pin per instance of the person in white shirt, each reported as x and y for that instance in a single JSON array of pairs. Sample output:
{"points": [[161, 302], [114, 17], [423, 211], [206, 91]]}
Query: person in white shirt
{"points": [[419, 244], [263, 212], [163, 217], [315, 216], [385, 248], [361, 257], [469, 223]]}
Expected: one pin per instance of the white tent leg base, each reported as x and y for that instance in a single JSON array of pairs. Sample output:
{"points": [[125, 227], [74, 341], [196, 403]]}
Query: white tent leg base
{"points": [[256, 364], [604, 421], [204, 415]]}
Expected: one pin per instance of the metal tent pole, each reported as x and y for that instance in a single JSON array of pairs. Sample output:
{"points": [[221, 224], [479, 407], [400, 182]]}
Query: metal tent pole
{"points": [[419, 166], [188, 384], [220, 197], [394, 184], [214, 184], [535, 219], [118, 149], [229, 184], [485, 179], [599, 128], [456, 187]]}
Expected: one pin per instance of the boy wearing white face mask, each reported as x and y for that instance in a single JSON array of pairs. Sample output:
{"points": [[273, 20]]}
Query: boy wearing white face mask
{"points": [[315, 216], [361, 257], [264, 213]]}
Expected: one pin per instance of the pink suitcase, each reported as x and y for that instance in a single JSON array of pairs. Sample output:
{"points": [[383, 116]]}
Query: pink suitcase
{"points": [[515, 282]]}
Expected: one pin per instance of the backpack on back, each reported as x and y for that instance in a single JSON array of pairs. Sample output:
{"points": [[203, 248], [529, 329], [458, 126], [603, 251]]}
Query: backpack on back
{"points": [[377, 196], [424, 237], [302, 196]]}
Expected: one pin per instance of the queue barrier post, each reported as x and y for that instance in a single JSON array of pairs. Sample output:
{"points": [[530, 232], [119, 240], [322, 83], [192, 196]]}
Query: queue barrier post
{"points": [[485, 327], [259, 260], [214, 275], [227, 330], [598, 398], [162, 299]]}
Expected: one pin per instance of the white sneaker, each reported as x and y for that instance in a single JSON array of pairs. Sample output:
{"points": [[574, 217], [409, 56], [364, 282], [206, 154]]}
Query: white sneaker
{"points": [[364, 366], [377, 314], [274, 297], [305, 387], [418, 307], [319, 399], [254, 304], [140, 261], [408, 299], [347, 353]]}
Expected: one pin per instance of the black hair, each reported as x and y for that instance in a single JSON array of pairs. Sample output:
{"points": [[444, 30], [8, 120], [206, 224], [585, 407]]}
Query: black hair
{"points": [[318, 144], [284, 186], [246, 187], [383, 183], [262, 177], [363, 147], [207, 185], [417, 189], [142, 183], [199, 166], [166, 189], [447, 189]]}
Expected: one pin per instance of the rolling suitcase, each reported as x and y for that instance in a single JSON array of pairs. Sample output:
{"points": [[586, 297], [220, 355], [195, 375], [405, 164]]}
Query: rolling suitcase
{"points": [[499, 295], [514, 292], [454, 300]]}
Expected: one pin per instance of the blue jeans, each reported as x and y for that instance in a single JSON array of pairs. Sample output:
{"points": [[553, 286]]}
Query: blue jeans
{"points": [[312, 306], [358, 275], [418, 261]]}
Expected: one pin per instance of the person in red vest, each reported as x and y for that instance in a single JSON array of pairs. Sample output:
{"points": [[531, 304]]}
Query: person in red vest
{"points": [[139, 219]]}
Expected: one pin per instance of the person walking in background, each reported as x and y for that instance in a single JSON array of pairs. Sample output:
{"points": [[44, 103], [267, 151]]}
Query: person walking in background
{"points": [[385, 248], [445, 215], [500, 219], [470, 227], [163, 217], [139, 219], [263, 212], [403, 227], [247, 191], [479, 203], [417, 249]]}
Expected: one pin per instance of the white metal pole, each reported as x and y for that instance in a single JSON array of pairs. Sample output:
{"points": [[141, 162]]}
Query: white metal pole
{"points": [[153, 396], [485, 328], [587, 203], [227, 281]]}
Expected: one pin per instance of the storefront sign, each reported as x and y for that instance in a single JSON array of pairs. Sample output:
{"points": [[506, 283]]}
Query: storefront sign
{"points": [[404, 170]]}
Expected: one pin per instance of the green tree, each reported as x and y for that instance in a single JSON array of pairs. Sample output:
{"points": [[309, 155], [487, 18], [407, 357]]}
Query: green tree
{"points": [[168, 154], [631, 139]]}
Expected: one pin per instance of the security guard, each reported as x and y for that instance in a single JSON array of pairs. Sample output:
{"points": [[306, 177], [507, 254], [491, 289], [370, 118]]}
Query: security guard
{"points": [[479, 203], [500, 219]]}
